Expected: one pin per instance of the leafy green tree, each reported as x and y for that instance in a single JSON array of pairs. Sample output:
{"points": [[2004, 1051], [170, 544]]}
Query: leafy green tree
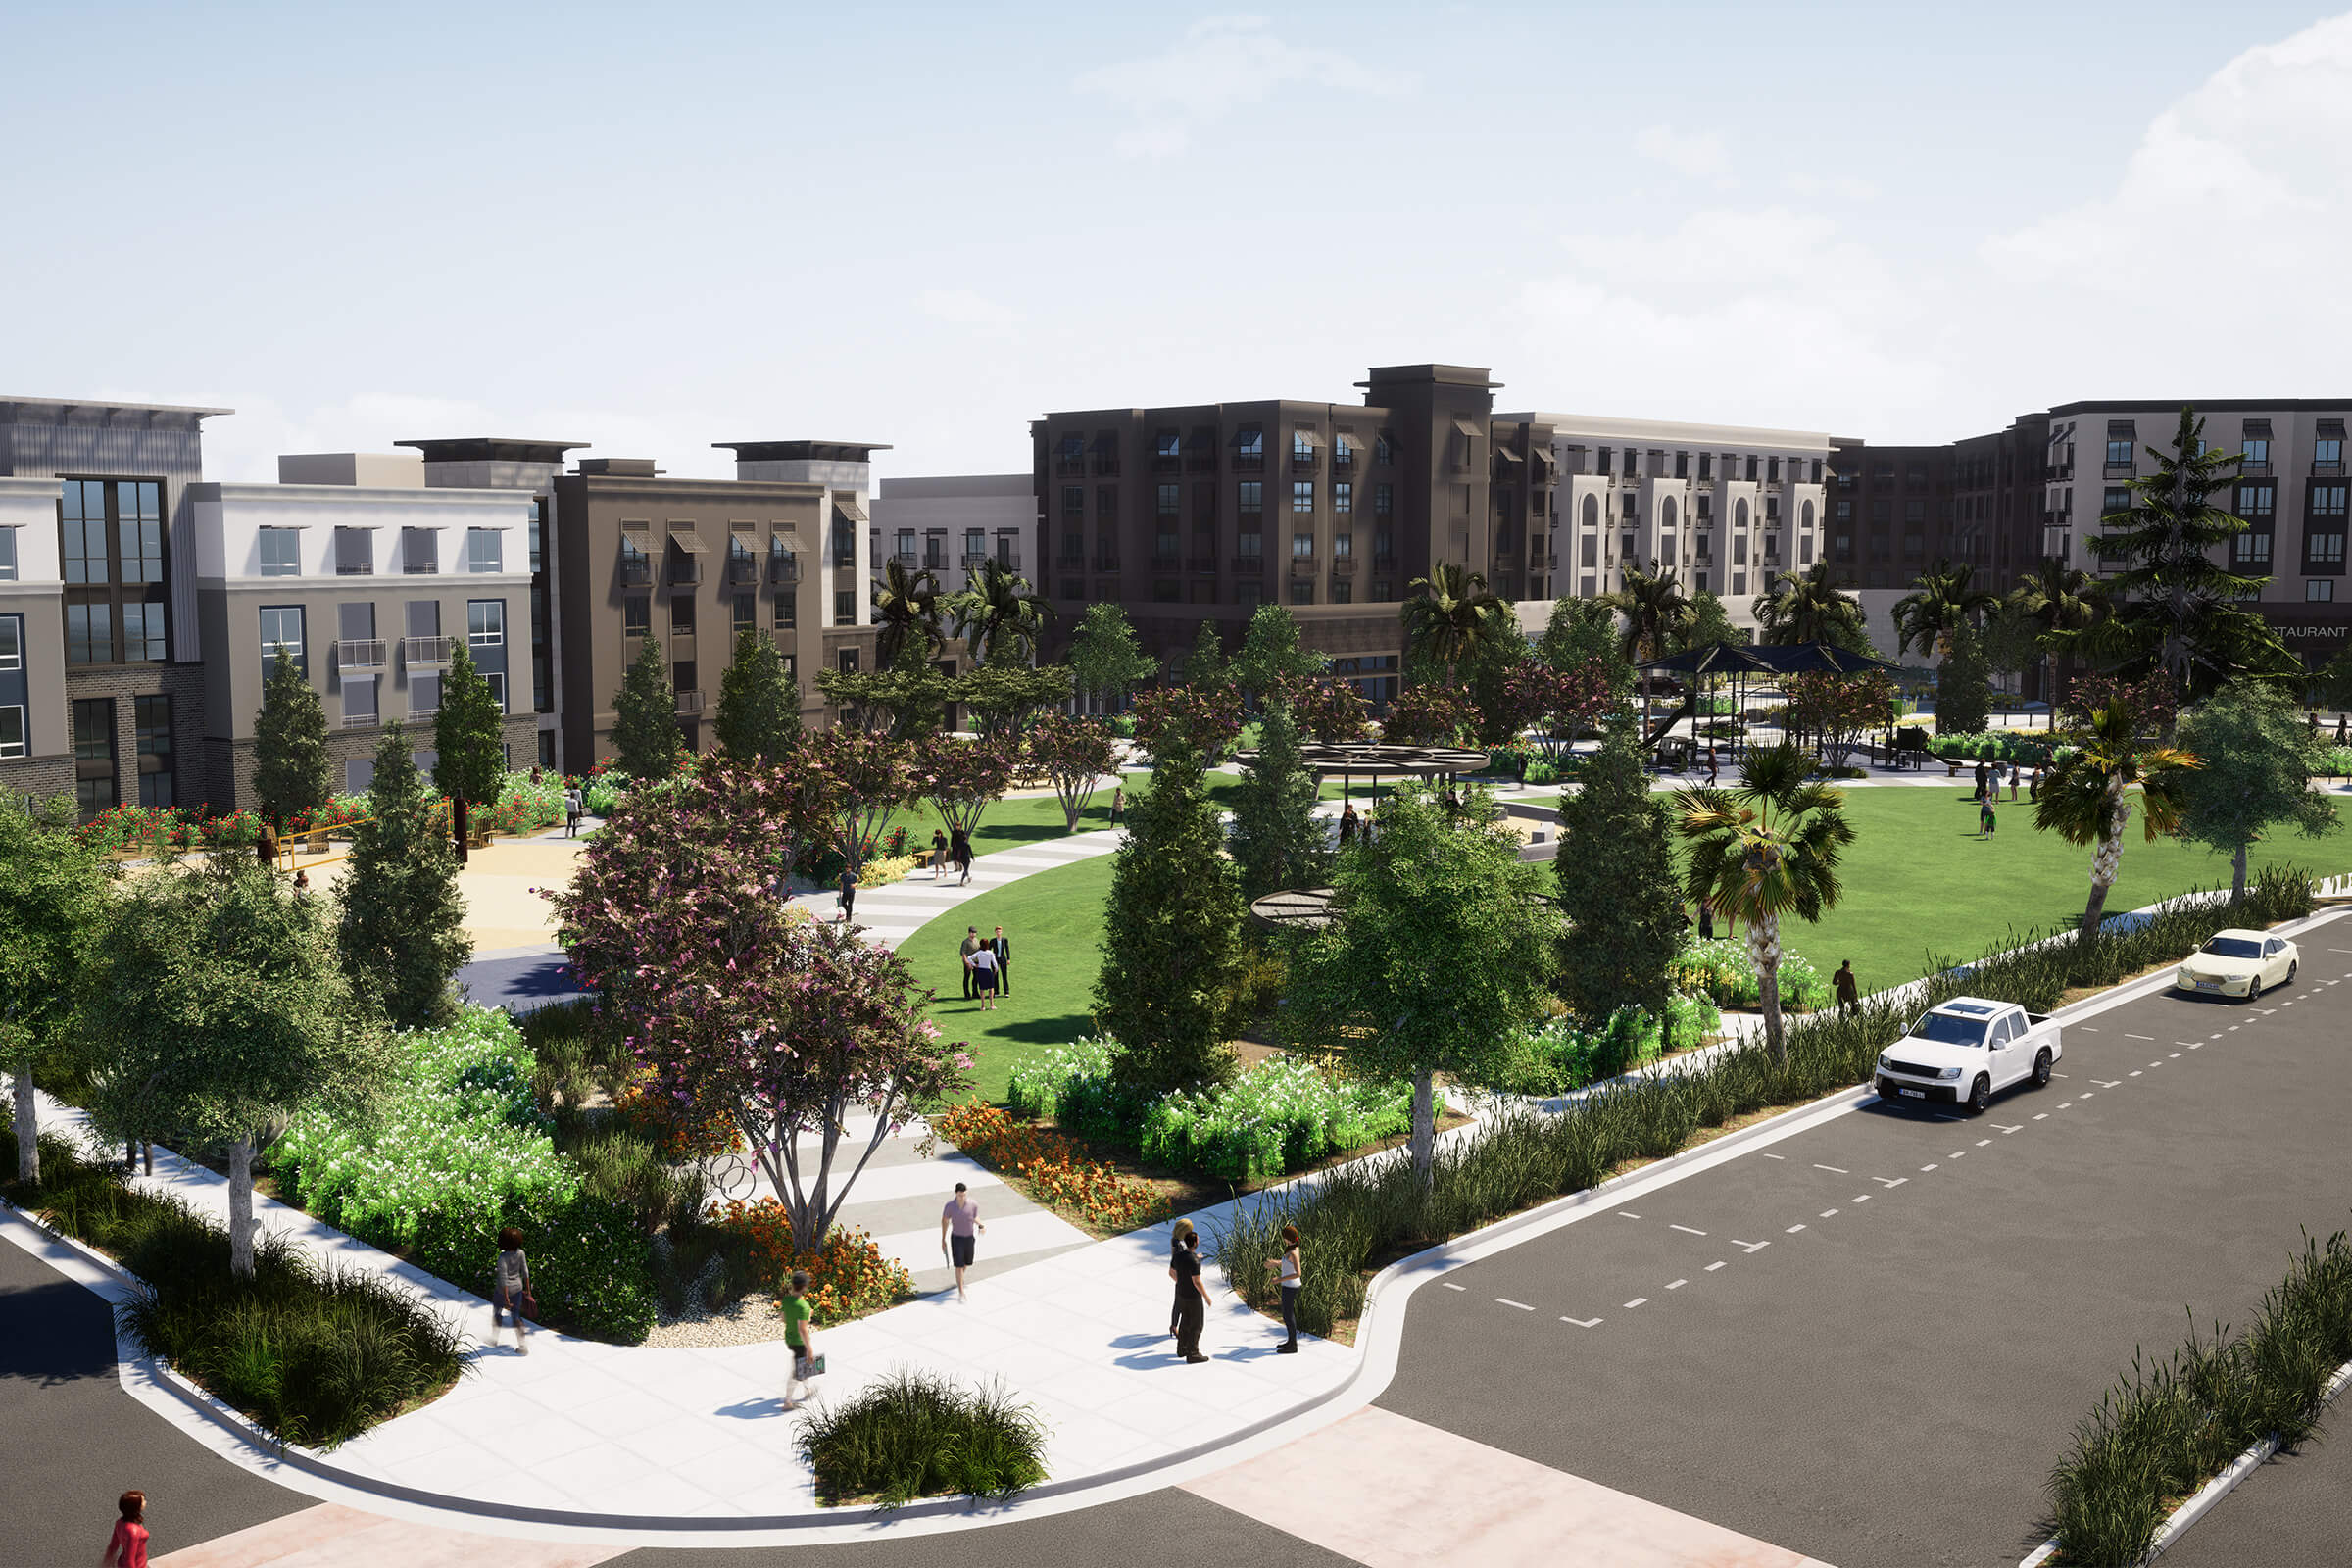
{"points": [[1963, 691], [1278, 842], [1449, 616], [1170, 983], [53, 904], [907, 700], [1105, 659], [2011, 640], [1941, 602], [2086, 800], [213, 1009], [402, 931], [290, 775], [646, 741], [906, 614], [1006, 699], [2334, 681], [1812, 609], [1271, 654], [1655, 612], [2259, 759], [1438, 955], [1206, 665], [1617, 886], [1490, 670], [1709, 624], [1762, 851], [469, 734], [1582, 630], [758, 704], [2175, 608], [1074, 755]]}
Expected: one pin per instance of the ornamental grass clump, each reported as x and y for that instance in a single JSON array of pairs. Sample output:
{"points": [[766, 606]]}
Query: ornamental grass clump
{"points": [[916, 1434]]}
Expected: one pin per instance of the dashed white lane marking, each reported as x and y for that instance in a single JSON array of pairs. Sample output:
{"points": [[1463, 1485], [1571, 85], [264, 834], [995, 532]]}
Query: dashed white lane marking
{"points": [[1864, 1198], [2134, 1074], [2041, 1115], [2086, 1095], [1520, 1305], [1622, 1214], [1962, 1153], [1712, 1267], [1686, 1229], [1832, 1169], [1924, 1169], [2066, 1105], [2196, 1044], [1826, 1214], [2191, 1043], [1636, 1301], [2340, 950], [1676, 1285], [2236, 1027], [1794, 1229], [2175, 1055], [2087, 1028], [1776, 1156], [2139, 1037], [1891, 1182], [1449, 1285], [1581, 1322], [1749, 1246], [1982, 1141]]}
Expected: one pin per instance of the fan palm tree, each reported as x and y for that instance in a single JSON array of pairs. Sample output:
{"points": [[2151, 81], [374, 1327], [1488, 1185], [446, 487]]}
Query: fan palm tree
{"points": [[1763, 850], [906, 610], [1940, 603], [998, 616], [1654, 607], [2058, 598], [1811, 609], [1448, 616], [2087, 799]]}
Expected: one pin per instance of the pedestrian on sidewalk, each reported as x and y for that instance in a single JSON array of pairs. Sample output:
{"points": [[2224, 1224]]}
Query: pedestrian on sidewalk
{"points": [[849, 891], [572, 812], [1849, 994], [959, 1225], [2033, 785], [983, 962], [1711, 769], [1980, 781], [1192, 1291], [1002, 947], [939, 856], [959, 850], [1289, 1278], [510, 1294], [964, 956], [128, 1547], [800, 1338]]}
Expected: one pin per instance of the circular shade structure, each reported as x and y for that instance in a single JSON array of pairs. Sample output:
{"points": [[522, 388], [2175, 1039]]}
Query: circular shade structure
{"points": [[1403, 762], [1310, 908]]}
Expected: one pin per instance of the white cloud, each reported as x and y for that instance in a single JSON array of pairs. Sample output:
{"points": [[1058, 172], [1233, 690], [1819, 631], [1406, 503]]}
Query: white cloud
{"points": [[965, 308], [1220, 65], [1701, 154], [1844, 186]]}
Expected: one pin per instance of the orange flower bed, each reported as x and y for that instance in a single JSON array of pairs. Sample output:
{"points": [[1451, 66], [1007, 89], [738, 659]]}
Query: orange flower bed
{"points": [[680, 1135], [1095, 1192], [848, 1276]]}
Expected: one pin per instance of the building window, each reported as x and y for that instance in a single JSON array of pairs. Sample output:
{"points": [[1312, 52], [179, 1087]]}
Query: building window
{"points": [[89, 634], [281, 552], [1303, 447], [110, 544], [1816, 470], [1249, 594], [681, 616], [1167, 446], [2328, 448], [143, 633], [747, 612], [1915, 513], [11, 731], [2253, 550], [1303, 545], [359, 704], [496, 680], [1168, 591], [94, 790], [1342, 592], [424, 694], [1303, 495], [2122, 437], [12, 643], [1342, 547], [484, 551], [2114, 499], [1772, 471], [2327, 499], [1384, 501], [485, 623], [1303, 590], [281, 632], [1343, 497], [2320, 591], [2257, 499], [2324, 552], [1602, 457], [1251, 496], [788, 612], [845, 606], [354, 551], [2254, 453], [637, 615], [8, 555], [1249, 444], [420, 550], [1384, 448], [1073, 501]]}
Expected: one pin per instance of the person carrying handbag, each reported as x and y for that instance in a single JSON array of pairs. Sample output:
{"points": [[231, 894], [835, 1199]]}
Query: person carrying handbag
{"points": [[511, 1296], [800, 1337]]}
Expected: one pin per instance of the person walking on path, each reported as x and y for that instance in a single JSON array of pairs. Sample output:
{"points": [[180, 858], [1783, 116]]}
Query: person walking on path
{"points": [[964, 956], [958, 1234], [1849, 994], [128, 1547], [511, 1293], [572, 812], [847, 887], [1347, 826], [939, 856], [983, 962], [1711, 769], [1985, 818], [800, 1338], [1118, 802], [2013, 781], [1289, 1279], [1192, 1291], [1002, 947], [959, 850]]}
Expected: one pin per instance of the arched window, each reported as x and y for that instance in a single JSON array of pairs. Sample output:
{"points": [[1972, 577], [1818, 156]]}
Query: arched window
{"points": [[1666, 513], [1591, 512], [1739, 514], [1805, 517]]}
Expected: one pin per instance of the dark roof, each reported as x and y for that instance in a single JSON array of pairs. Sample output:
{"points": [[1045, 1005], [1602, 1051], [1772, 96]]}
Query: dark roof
{"points": [[802, 450], [1769, 658], [1418, 761], [492, 449], [2201, 405]]}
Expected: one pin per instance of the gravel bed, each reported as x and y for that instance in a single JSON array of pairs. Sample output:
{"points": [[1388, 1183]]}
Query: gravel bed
{"points": [[750, 1321]]}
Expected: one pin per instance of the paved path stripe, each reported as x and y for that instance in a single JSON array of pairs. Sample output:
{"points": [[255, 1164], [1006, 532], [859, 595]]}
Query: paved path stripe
{"points": [[332, 1536]]}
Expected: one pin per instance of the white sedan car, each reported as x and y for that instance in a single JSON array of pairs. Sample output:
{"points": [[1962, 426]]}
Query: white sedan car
{"points": [[2238, 963]]}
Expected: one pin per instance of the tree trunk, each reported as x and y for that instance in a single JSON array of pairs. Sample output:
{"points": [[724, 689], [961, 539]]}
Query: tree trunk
{"points": [[2237, 875], [2110, 855], [240, 1208], [1764, 950], [457, 824], [1425, 1128], [28, 1131]]}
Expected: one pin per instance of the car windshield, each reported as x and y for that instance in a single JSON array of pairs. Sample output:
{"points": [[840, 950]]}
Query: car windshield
{"points": [[1946, 1030], [2234, 948]]}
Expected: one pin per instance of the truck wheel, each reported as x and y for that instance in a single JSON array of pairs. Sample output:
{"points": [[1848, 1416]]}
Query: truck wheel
{"points": [[1980, 1096], [2042, 1069]]}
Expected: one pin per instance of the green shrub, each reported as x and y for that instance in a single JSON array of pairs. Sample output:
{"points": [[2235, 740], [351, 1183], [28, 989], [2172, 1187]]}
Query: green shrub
{"points": [[1281, 1115], [1561, 1055], [918, 1435], [1721, 970]]}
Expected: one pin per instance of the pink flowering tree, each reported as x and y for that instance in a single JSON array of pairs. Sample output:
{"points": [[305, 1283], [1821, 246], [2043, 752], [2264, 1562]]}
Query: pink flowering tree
{"points": [[1330, 712], [1428, 714], [1841, 709], [870, 777], [811, 1042], [1074, 755], [1202, 720], [962, 778], [1556, 704]]}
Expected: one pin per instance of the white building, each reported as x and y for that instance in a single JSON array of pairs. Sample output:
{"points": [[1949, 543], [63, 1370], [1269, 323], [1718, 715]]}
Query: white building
{"points": [[947, 525]]}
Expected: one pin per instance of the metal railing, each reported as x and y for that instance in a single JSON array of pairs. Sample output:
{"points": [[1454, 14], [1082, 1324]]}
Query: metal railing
{"points": [[783, 568], [1250, 564], [690, 702], [742, 570], [688, 569], [903, 557], [1248, 464], [636, 573], [1342, 566], [1106, 562], [353, 569], [417, 651], [361, 720], [1205, 564], [413, 566], [360, 652]]}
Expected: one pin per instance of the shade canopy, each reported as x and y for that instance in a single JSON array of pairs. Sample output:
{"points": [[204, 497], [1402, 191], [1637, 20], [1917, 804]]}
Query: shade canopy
{"points": [[1766, 658], [1405, 762]]}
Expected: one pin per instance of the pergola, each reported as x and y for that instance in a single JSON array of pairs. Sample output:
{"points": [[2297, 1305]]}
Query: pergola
{"points": [[1310, 908], [1401, 762], [1740, 663]]}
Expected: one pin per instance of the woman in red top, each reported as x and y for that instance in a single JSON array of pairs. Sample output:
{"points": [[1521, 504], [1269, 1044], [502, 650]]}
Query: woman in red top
{"points": [[129, 1547]]}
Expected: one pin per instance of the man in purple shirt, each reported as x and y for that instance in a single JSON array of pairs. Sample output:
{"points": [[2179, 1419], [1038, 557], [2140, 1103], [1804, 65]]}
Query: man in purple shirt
{"points": [[959, 1228]]}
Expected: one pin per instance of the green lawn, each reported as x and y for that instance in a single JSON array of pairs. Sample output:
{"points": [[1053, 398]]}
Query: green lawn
{"points": [[1917, 880], [1008, 824]]}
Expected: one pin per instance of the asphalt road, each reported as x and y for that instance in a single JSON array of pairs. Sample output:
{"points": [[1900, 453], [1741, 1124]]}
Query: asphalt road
{"points": [[2294, 1512], [1868, 1342]]}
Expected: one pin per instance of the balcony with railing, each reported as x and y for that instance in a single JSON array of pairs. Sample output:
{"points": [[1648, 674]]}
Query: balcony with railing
{"points": [[1250, 566], [1106, 465], [1167, 463], [426, 653], [636, 573], [361, 720], [2118, 470], [1106, 562], [1200, 462], [1169, 559], [1249, 462], [1307, 461], [1303, 565], [685, 569], [903, 557], [690, 702], [1205, 565], [1384, 560], [1071, 560], [362, 653], [742, 570], [413, 564], [1342, 566], [354, 565], [2327, 470], [783, 570], [1070, 468], [1342, 462]]}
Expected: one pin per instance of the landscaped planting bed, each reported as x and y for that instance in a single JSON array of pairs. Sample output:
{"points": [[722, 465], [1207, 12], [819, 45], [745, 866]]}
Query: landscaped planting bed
{"points": [[918, 1435], [1721, 970], [1563, 1054]]}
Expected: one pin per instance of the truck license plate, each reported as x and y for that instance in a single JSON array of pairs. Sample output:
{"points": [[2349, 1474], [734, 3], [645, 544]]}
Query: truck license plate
{"points": [[1914, 1094]]}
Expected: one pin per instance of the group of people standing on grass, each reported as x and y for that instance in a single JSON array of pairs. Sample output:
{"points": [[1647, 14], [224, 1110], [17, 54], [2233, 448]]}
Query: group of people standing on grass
{"points": [[987, 968]]}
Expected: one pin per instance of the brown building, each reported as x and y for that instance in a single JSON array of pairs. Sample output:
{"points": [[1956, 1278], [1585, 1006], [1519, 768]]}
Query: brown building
{"points": [[1895, 510], [1204, 512]]}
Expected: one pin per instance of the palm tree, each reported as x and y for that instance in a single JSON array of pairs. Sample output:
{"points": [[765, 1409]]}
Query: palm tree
{"points": [[1448, 616], [906, 608], [1655, 611], [2058, 598], [1940, 603], [1763, 850], [2087, 798], [998, 616], [1811, 609]]}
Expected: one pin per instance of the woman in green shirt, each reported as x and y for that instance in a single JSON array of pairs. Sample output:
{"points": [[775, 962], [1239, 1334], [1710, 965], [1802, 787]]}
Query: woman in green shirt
{"points": [[800, 1336]]}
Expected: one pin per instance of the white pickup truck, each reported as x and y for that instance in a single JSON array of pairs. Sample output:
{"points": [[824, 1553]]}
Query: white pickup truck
{"points": [[1965, 1051]]}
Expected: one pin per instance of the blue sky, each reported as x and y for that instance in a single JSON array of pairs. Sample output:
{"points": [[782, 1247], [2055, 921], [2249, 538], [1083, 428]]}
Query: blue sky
{"points": [[652, 228]]}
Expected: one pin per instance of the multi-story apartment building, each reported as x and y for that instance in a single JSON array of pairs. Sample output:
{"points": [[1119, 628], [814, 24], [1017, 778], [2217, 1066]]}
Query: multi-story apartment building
{"points": [[781, 549], [950, 525], [1201, 513], [1723, 508]]}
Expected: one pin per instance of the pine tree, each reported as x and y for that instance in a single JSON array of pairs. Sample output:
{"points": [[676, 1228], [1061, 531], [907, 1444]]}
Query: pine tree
{"points": [[1171, 933], [1271, 654], [1963, 691], [758, 707], [1206, 665], [1623, 907], [646, 741], [289, 746], [469, 736], [401, 933], [1278, 842]]}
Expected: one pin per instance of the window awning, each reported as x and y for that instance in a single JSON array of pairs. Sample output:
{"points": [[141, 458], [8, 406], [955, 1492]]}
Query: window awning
{"points": [[421, 527], [849, 508], [1468, 428], [1249, 435], [353, 526], [787, 539], [687, 540], [1073, 446], [1304, 436], [1506, 454]]}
